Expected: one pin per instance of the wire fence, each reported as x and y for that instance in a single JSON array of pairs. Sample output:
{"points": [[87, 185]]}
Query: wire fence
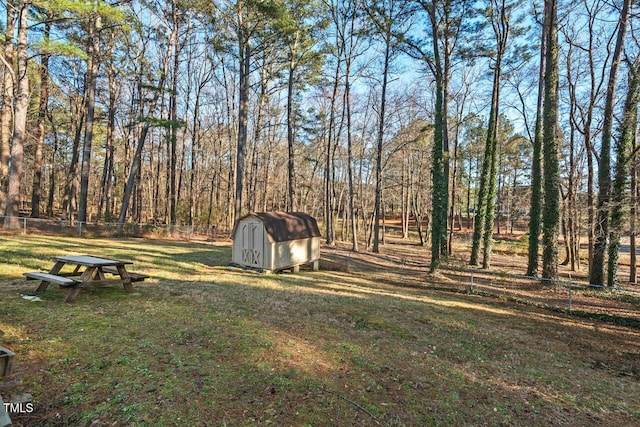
{"points": [[620, 305], [26, 225]]}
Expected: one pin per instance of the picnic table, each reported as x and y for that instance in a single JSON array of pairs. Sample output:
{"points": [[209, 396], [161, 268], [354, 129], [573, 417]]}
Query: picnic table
{"points": [[87, 271]]}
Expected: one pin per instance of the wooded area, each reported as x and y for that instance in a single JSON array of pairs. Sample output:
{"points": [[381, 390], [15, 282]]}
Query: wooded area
{"points": [[449, 115]]}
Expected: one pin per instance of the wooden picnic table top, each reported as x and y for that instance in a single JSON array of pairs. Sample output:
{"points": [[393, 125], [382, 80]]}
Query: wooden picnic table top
{"points": [[90, 261]]}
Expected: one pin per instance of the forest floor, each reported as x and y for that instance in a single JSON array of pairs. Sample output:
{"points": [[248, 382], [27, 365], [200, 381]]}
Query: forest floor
{"points": [[370, 339]]}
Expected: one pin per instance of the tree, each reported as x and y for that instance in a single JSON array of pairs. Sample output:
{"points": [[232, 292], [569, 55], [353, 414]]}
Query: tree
{"points": [[145, 121], [174, 124], [444, 31], [300, 25], [19, 120], [249, 18], [384, 17], [36, 193], [596, 274], [338, 11], [536, 201], [348, 40], [106, 184], [91, 81], [624, 156], [597, 50], [550, 150], [500, 19], [440, 69], [6, 113]]}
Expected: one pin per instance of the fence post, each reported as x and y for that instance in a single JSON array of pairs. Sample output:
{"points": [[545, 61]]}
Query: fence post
{"points": [[24, 226]]}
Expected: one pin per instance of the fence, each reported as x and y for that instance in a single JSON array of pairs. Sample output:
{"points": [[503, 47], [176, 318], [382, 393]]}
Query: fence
{"points": [[619, 305], [28, 225]]}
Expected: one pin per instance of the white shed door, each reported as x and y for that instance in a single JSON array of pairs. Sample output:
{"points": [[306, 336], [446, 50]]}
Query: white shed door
{"points": [[252, 243]]}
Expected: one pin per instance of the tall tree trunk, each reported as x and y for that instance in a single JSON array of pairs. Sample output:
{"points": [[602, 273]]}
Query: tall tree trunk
{"points": [[551, 210], [633, 216], [52, 172], [36, 193], [243, 107], [253, 202], [591, 154], [107, 173], [91, 81], [328, 194], [596, 275], [621, 179], [142, 135], [19, 121], [571, 241], [501, 28], [445, 249], [404, 197], [173, 120], [291, 174], [6, 112], [537, 195], [71, 185], [440, 161], [195, 143], [380, 140], [352, 195], [491, 155]]}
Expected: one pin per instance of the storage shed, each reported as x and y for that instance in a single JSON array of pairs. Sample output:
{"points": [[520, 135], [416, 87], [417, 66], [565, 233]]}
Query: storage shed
{"points": [[276, 241]]}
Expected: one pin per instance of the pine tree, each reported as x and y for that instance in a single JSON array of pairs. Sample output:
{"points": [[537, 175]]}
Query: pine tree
{"points": [[551, 209], [19, 120]]}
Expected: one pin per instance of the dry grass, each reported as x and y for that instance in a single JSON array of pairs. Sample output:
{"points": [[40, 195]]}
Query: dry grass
{"points": [[370, 342]]}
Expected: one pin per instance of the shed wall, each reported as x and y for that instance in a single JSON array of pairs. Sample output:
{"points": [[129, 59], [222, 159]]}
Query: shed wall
{"points": [[249, 244], [253, 248], [295, 252]]}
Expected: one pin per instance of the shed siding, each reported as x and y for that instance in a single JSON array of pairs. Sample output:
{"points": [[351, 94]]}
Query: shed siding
{"points": [[251, 251], [255, 247], [295, 252]]}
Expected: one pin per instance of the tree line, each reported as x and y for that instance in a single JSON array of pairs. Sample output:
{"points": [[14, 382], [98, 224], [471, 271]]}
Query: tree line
{"points": [[446, 114]]}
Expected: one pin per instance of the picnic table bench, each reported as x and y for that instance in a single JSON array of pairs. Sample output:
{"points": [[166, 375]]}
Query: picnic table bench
{"points": [[87, 271], [51, 278]]}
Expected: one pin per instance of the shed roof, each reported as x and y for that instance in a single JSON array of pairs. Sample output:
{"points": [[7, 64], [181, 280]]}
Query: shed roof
{"points": [[284, 226]]}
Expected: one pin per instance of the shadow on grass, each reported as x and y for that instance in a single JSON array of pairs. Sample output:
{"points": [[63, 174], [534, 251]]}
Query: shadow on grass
{"points": [[294, 349], [27, 253], [202, 344]]}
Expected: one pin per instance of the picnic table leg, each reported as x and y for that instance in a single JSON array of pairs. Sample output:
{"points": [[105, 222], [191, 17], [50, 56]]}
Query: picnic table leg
{"points": [[88, 274], [99, 274], [126, 279], [84, 278], [54, 270], [73, 293]]}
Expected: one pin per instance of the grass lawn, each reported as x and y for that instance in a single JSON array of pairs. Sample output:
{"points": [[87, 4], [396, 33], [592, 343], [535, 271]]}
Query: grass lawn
{"points": [[200, 344]]}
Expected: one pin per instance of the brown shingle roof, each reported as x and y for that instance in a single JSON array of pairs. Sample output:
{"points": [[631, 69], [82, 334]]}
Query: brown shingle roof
{"points": [[284, 226]]}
